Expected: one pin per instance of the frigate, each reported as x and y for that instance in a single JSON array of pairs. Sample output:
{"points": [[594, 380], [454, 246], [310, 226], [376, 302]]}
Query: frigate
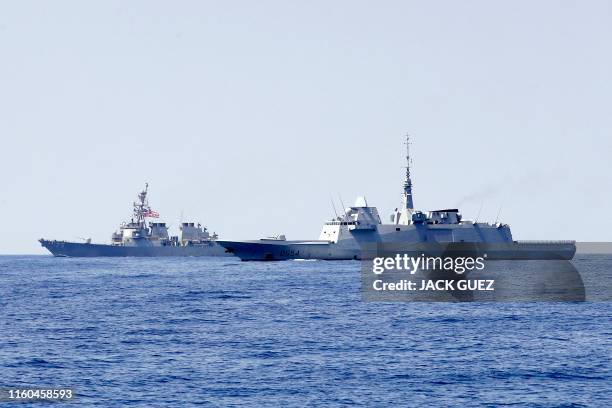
{"points": [[359, 233], [139, 237]]}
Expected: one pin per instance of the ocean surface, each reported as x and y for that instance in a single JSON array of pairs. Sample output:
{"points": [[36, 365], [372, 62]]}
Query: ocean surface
{"points": [[218, 332]]}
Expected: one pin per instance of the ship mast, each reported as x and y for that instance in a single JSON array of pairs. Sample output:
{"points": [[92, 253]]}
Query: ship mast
{"points": [[141, 208], [407, 193]]}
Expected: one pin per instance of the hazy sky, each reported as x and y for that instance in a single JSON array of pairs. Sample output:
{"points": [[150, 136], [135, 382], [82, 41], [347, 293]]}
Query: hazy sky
{"points": [[247, 115]]}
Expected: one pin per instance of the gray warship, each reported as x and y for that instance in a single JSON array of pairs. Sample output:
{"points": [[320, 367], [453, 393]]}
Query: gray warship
{"points": [[359, 234], [138, 237]]}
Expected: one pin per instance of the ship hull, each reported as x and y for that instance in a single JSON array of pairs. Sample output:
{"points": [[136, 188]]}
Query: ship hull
{"points": [[77, 249], [324, 250]]}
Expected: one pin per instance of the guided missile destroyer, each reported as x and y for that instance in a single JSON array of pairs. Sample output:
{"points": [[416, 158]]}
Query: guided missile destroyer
{"points": [[359, 234], [138, 237]]}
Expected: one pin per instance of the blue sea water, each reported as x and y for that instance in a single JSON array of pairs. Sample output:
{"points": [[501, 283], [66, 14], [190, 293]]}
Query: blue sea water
{"points": [[194, 331]]}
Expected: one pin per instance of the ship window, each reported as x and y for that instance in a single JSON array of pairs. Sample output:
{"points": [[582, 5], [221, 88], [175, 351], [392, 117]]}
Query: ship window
{"points": [[397, 229]]}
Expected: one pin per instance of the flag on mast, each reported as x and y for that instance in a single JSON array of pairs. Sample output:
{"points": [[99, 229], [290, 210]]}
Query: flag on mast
{"points": [[151, 214]]}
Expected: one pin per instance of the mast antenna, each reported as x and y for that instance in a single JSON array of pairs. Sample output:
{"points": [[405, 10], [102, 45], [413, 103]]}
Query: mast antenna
{"points": [[333, 205], [407, 194], [141, 209]]}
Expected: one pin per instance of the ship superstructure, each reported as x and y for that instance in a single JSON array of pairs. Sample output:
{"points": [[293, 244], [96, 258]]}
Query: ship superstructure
{"points": [[136, 232]]}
